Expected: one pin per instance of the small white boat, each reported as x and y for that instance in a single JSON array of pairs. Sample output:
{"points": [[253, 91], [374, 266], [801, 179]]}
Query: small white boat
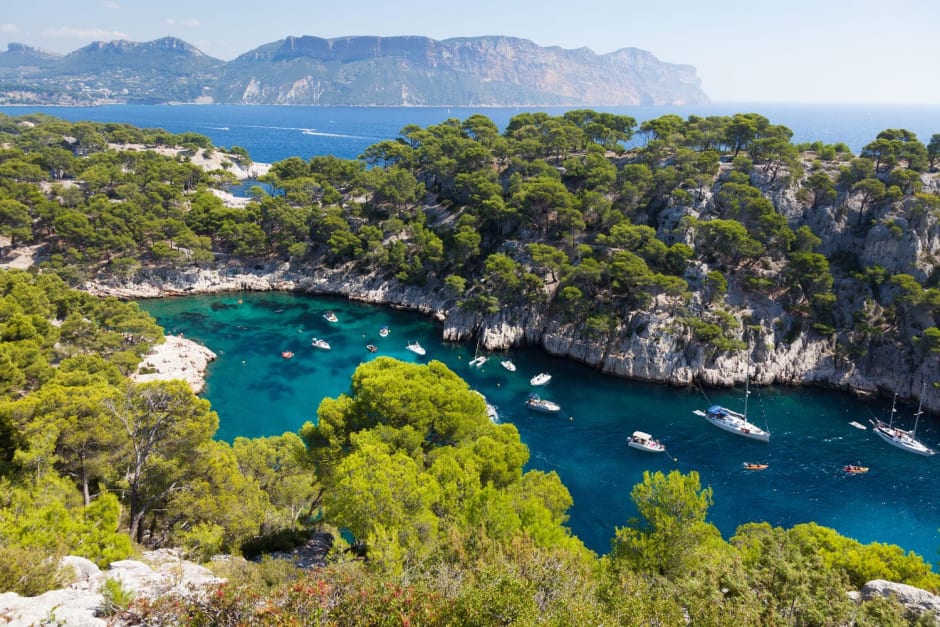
{"points": [[858, 425], [645, 442], [508, 365], [383, 332], [330, 316], [478, 361], [320, 343], [491, 412], [416, 348], [540, 379], [540, 404], [490, 408]]}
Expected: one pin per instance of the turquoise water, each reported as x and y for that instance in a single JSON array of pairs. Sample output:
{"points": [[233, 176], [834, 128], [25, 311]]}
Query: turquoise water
{"points": [[257, 392]]}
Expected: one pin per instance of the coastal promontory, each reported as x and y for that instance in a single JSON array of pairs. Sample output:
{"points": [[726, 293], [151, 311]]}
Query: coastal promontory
{"points": [[359, 71]]}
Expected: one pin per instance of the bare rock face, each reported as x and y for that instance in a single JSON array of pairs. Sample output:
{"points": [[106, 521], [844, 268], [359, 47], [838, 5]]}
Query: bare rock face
{"points": [[916, 601], [163, 573]]}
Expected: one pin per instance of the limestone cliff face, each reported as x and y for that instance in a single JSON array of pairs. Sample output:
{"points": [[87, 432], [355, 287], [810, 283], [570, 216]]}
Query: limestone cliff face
{"points": [[471, 71], [357, 71], [647, 346]]}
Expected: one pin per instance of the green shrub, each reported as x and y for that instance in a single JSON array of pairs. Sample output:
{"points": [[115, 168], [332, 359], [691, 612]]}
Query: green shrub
{"points": [[116, 597], [29, 572]]}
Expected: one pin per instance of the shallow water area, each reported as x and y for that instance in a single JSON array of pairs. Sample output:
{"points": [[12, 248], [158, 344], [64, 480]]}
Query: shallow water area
{"points": [[258, 392]]}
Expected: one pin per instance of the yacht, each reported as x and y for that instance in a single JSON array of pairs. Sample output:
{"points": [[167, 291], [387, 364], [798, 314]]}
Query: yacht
{"points": [[540, 379], [539, 404], [645, 442], [416, 348], [320, 343], [508, 365], [733, 422], [904, 440]]}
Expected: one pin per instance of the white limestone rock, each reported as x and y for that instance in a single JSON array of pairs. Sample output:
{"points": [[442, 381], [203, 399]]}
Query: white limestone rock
{"points": [[916, 600], [78, 604]]}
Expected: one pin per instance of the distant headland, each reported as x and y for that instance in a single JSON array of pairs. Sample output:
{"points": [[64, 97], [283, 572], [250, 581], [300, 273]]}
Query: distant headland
{"points": [[379, 71]]}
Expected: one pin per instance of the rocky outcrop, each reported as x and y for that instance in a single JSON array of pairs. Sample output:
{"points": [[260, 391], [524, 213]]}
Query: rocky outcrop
{"points": [[159, 574], [917, 602], [176, 358]]}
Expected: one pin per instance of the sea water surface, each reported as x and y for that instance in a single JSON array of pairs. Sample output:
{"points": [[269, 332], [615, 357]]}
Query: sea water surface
{"points": [[257, 392], [271, 133]]}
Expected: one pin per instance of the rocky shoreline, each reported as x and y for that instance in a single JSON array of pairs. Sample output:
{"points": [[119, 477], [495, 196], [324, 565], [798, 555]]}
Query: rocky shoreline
{"points": [[648, 348]]}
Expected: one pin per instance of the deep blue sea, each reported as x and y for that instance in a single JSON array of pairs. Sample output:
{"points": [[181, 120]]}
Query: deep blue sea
{"points": [[256, 392], [271, 133]]}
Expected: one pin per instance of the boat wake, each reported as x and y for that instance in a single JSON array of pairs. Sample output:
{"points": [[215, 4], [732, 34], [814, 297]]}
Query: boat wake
{"points": [[310, 131]]}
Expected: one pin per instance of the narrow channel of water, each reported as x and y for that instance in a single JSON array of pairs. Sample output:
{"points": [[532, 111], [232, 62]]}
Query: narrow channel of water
{"points": [[257, 392]]}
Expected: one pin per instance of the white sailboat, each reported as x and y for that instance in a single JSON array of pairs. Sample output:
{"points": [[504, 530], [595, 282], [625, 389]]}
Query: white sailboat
{"points": [[733, 421], [904, 440]]}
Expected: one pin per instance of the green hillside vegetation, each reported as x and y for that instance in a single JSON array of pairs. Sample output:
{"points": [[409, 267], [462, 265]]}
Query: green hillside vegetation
{"points": [[553, 214], [441, 522], [433, 517]]}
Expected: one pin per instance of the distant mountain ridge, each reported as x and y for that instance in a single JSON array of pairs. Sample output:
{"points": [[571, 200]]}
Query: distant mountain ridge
{"points": [[367, 70]]}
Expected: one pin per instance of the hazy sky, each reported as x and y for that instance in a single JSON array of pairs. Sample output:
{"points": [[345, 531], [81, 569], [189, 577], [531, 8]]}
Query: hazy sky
{"points": [[745, 50]]}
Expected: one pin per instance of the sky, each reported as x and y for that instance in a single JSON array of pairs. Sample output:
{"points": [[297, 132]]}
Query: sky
{"points": [[814, 51]]}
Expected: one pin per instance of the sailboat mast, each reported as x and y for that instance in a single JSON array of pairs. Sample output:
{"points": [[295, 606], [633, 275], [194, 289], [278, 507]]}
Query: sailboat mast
{"points": [[747, 380], [893, 403], [920, 406]]}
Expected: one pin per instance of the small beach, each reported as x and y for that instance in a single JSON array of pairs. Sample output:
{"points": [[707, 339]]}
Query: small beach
{"points": [[176, 358]]}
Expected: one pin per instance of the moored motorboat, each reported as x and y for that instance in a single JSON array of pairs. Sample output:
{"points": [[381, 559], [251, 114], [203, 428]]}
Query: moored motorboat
{"points": [[492, 413], [330, 316], [384, 331], [371, 348], [490, 408], [754, 466], [540, 379], [508, 365], [645, 442], [416, 348], [287, 354], [540, 404], [320, 343]]}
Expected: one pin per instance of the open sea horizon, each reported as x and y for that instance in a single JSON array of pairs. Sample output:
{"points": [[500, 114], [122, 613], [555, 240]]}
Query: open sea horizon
{"points": [[256, 392], [275, 132]]}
